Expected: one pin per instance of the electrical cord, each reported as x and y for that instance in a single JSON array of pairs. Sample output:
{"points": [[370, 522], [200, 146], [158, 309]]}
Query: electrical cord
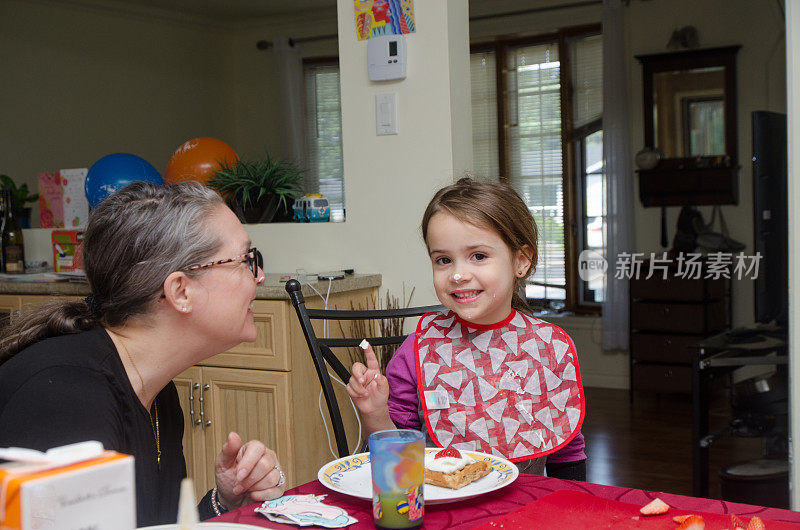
{"points": [[325, 424], [325, 329]]}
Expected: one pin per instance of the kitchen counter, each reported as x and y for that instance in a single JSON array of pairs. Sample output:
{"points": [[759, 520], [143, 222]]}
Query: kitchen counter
{"points": [[271, 289]]}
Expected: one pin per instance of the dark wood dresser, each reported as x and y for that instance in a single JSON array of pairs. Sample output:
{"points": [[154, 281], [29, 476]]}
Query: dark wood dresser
{"points": [[666, 317]]}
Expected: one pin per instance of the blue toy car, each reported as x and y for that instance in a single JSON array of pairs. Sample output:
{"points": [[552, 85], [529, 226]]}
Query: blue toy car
{"points": [[312, 208]]}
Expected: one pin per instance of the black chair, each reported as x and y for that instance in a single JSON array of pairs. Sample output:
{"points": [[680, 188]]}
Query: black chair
{"points": [[321, 352]]}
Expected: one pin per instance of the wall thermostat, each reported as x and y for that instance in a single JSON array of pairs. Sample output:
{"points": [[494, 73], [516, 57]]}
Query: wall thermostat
{"points": [[386, 57]]}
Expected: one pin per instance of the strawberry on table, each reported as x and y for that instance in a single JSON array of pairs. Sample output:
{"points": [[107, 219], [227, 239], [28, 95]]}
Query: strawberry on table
{"points": [[680, 518], [448, 451], [756, 524], [736, 522], [655, 507], [693, 522]]}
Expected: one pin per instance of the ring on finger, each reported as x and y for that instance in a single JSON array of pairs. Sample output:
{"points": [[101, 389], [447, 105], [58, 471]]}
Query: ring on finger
{"points": [[282, 480]]}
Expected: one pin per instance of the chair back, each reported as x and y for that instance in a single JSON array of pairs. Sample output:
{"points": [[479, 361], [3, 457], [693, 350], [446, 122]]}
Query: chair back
{"points": [[321, 353]]}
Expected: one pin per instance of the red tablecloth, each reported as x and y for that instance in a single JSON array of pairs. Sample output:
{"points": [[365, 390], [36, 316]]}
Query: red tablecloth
{"points": [[526, 489]]}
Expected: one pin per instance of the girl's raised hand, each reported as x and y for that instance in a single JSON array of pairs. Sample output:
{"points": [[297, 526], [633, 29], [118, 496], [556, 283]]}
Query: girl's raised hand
{"points": [[368, 388]]}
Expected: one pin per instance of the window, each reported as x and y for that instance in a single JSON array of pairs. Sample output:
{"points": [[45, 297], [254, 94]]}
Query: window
{"points": [[537, 122], [324, 166], [587, 147]]}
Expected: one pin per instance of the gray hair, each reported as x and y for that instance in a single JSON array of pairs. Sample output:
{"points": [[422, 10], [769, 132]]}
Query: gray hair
{"points": [[134, 240]]}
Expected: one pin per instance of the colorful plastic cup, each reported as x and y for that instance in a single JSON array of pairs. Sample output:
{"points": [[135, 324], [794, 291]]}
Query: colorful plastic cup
{"points": [[397, 459]]}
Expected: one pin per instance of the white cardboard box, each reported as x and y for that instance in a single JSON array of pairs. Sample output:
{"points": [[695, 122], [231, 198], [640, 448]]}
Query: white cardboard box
{"points": [[99, 494]]}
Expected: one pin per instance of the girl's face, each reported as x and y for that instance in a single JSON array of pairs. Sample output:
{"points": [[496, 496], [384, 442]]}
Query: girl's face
{"points": [[474, 271]]}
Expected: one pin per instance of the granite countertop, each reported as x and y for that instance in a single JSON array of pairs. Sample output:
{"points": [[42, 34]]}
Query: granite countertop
{"points": [[271, 289]]}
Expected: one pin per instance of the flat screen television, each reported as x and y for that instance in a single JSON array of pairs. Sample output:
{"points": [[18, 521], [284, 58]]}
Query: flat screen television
{"points": [[770, 217]]}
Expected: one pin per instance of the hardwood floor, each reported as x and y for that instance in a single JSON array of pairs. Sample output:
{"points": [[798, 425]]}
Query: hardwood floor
{"points": [[647, 445]]}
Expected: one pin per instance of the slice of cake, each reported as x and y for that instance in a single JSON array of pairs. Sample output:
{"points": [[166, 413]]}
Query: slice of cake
{"points": [[449, 469]]}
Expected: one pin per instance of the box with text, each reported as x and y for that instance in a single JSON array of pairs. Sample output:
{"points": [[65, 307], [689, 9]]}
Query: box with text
{"points": [[99, 493]]}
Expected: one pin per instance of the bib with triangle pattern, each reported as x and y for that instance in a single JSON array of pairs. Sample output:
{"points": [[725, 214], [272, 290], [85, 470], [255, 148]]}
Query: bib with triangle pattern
{"points": [[514, 388]]}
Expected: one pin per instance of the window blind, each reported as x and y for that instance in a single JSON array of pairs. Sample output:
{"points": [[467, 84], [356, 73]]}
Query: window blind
{"points": [[587, 79], [483, 83], [324, 166], [533, 133]]}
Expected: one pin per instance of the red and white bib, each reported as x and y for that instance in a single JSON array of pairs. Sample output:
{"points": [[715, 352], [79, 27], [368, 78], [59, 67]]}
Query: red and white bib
{"points": [[511, 389]]}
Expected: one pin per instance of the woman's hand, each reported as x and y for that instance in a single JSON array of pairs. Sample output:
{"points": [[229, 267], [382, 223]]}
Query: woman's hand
{"points": [[368, 388], [247, 473]]}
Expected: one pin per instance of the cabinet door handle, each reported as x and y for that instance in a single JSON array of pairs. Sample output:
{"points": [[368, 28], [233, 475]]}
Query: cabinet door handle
{"points": [[205, 423], [668, 342], [192, 388]]}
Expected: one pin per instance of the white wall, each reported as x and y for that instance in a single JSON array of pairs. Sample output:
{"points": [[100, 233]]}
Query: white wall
{"points": [[793, 143], [259, 119], [389, 179], [82, 82]]}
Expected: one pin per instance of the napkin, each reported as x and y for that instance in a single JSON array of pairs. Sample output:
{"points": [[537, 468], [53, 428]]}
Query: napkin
{"points": [[305, 510]]}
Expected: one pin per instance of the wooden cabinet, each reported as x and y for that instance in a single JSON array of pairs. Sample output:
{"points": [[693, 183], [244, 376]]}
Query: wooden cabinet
{"points": [[217, 401], [667, 315], [9, 305], [269, 351], [266, 390]]}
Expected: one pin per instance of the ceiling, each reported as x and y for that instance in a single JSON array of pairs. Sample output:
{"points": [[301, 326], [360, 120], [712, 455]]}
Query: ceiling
{"points": [[241, 10], [232, 10]]}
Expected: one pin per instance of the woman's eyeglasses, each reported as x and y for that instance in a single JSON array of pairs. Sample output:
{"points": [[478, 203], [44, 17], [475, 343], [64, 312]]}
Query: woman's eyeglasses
{"points": [[253, 259]]}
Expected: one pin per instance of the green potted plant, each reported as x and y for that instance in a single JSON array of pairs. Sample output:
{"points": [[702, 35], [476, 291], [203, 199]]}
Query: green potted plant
{"points": [[20, 196], [256, 190]]}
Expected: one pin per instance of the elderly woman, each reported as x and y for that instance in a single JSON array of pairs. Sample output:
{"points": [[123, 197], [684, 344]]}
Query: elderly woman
{"points": [[173, 276]]}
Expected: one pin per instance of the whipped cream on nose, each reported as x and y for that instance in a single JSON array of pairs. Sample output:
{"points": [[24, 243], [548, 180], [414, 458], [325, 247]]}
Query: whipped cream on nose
{"points": [[457, 277]]}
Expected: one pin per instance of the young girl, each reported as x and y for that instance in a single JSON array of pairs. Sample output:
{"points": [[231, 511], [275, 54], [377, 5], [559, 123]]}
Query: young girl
{"points": [[484, 375]]}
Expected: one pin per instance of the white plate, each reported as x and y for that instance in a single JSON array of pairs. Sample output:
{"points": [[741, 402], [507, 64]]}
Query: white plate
{"points": [[352, 476], [208, 526]]}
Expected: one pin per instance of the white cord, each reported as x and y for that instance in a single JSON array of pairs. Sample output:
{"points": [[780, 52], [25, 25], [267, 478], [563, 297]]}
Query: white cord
{"points": [[319, 398], [325, 424], [325, 300]]}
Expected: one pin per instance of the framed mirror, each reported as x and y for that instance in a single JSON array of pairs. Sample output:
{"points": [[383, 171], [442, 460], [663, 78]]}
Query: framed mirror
{"points": [[690, 118]]}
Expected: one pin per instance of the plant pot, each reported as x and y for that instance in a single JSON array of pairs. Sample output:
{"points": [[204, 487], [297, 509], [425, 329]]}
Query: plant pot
{"points": [[285, 213], [23, 215], [263, 211]]}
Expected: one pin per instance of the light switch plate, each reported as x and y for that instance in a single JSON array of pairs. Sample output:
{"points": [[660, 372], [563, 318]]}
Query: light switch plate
{"points": [[386, 113]]}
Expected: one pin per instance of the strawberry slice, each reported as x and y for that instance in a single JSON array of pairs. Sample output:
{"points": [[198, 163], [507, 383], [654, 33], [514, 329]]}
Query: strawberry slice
{"points": [[655, 507], [693, 522], [736, 522], [756, 524], [448, 451], [680, 518]]}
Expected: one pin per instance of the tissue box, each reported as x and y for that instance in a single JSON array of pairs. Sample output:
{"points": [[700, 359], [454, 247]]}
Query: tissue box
{"points": [[99, 493], [67, 251], [62, 199]]}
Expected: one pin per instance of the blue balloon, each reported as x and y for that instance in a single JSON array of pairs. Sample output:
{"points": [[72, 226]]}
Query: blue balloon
{"points": [[113, 172]]}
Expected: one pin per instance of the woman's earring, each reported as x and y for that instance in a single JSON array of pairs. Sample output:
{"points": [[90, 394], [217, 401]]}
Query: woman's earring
{"points": [[185, 309]]}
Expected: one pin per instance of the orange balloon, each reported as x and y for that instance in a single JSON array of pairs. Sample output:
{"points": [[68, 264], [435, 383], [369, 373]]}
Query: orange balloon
{"points": [[198, 159]]}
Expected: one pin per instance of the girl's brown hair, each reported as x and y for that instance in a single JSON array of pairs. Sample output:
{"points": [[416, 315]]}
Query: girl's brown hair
{"points": [[494, 206]]}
